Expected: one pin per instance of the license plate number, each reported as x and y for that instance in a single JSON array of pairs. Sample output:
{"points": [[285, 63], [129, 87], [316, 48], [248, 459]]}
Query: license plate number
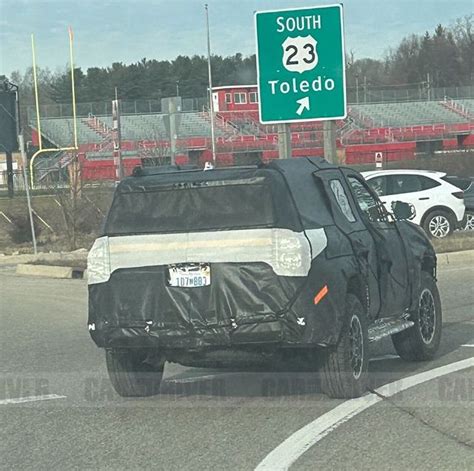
{"points": [[192, 275]]}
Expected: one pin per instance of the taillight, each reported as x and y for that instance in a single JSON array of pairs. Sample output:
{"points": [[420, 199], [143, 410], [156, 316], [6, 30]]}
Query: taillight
{"points": [[98, 262], [459, 194]]}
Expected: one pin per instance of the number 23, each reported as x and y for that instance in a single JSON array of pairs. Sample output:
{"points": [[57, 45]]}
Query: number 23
{"points": [[310, 56]]}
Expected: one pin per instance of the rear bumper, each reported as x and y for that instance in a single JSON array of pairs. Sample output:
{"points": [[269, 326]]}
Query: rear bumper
{"points": [[147, 336]]}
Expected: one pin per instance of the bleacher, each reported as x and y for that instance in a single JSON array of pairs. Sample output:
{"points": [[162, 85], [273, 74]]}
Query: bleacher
{"points": [[406, 114], [156, 126], [60, 132], [367, 123], [467, 104]]}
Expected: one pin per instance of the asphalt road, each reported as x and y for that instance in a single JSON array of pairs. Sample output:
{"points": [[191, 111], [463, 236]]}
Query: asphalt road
{"points": [[207, 419]]}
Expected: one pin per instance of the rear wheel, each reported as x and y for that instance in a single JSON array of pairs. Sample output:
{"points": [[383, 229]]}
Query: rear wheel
{"points": [[421, 341], [438, 224], [344, 370], [134, 372]]}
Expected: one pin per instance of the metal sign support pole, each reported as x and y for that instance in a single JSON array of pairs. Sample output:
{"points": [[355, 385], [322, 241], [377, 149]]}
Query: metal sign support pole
{"points": [[329, 131], [284, 141]]}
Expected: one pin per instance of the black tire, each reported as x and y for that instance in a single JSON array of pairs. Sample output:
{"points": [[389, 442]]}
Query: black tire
{"points": [[439, 224], [420, 342], [134, 373], [344, 369]]}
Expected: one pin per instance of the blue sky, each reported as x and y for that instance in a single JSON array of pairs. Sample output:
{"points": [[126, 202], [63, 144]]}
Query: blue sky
{"points": [[128, 30]]}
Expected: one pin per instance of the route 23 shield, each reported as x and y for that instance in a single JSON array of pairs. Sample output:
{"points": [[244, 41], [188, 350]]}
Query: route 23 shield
{"points": [[300, 54]]}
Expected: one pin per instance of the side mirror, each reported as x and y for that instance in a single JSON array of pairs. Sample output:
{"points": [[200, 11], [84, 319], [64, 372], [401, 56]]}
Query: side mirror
{"points": [[403, 211]]}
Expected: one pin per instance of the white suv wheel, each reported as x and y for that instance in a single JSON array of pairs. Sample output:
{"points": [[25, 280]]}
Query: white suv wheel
{"points": [[439, 226]]}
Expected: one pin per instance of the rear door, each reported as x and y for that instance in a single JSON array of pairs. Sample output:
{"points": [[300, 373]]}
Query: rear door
{"points": [[347, 219], [392, 262]]}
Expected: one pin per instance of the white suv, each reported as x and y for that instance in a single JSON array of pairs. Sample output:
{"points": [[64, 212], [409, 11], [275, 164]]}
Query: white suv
{"points": [[439, 205]]}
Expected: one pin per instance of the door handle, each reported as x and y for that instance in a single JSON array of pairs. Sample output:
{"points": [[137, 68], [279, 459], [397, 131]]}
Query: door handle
{"points": [[425, 198]]}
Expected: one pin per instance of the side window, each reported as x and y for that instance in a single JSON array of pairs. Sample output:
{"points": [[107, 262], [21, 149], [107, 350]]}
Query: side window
{"points": [[378, 185], [228, 98], [367, 203], [342, 200], [427, 183], [400, 184]]}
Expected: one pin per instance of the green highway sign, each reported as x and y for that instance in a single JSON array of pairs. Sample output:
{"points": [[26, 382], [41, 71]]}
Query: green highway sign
{"points": [[300, 64]]}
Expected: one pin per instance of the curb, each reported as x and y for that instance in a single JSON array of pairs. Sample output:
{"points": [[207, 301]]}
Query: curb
{"points": [[49, 271], [452, 258]]}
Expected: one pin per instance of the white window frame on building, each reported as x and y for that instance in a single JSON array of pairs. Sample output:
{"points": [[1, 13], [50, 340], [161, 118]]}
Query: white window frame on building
{"points": [[253, 97], [228, 98], [240, 98]]}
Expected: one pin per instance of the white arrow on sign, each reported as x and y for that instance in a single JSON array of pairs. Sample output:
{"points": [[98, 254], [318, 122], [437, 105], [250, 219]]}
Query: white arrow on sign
{"points": [[304, 105]]}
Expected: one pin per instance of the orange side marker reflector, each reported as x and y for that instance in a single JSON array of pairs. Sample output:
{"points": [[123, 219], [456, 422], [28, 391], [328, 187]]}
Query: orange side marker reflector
{"points": [[321, 294]]}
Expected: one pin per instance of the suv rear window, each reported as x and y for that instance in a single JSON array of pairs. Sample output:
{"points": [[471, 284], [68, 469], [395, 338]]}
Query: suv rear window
{"points": [[192, 206], [461, 183]]}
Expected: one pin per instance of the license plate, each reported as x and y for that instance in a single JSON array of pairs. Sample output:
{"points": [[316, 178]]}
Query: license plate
{"points": [[191, 275]]}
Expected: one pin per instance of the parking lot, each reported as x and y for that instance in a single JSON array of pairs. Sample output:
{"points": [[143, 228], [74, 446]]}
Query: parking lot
{"points": [[59, 410]]}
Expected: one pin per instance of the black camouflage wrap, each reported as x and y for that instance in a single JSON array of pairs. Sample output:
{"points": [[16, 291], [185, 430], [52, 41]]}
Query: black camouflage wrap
{"points": [[246, 303]]}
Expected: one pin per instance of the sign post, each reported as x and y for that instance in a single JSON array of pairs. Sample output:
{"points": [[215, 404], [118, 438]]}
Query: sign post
{"points": [[300, 65], [378, 160]]}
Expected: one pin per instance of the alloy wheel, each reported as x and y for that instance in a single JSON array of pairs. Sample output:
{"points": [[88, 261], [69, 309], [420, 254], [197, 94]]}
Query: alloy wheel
{"points": [[427, 316], [439, 226], [357, 346]]}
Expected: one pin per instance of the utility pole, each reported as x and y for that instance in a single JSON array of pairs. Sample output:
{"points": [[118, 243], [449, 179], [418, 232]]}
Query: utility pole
{"points": [[173, 134], [27, 189], [211, 103], [357, 88], [428, 85], [117, 137]]}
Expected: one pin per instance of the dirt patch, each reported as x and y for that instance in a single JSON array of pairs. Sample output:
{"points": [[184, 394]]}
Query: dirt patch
{"points": [[50, 222]]}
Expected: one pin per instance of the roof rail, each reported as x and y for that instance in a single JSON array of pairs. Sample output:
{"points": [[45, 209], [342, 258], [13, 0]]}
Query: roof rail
{"points": [[139, 171]]}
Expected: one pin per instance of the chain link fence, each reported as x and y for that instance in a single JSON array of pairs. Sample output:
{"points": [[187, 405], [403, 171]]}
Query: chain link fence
{"points": [[357, 95]]}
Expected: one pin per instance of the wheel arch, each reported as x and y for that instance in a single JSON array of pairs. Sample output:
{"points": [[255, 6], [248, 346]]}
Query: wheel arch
{"points": [[428, 264], [357, 286], [444, 209]]}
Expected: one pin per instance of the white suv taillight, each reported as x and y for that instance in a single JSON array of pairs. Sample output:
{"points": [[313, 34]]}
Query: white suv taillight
{"points": [[98, 262]]}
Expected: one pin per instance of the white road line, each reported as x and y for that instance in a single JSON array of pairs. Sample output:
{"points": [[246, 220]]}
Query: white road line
{"points": [[386, 357], [285, 454], [20, 400], [468, 345]]}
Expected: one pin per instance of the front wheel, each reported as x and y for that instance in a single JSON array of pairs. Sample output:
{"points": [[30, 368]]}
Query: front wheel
{"points": [[438, 224], [344, 370], [134, 372], [420, 342]]}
